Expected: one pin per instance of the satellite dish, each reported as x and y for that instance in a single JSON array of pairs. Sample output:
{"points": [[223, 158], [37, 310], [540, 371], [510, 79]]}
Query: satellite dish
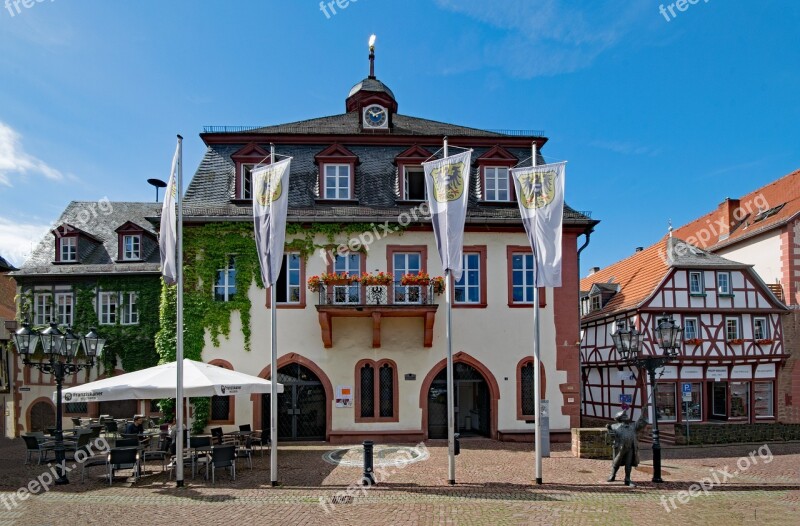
{"points": [[158, 183]]}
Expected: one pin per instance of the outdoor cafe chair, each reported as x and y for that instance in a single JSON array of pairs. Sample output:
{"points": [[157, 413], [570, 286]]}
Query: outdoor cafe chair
{"points": [[162, 453], [221, 457], [32, 445], [219, 438], [123, 458], [111, 428], [256, 439], [127, 442], [245, 450]]}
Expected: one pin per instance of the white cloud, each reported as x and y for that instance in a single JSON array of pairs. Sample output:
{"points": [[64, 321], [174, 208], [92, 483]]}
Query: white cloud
{"points": [[17, 241], [15, 160], [547, 37]]}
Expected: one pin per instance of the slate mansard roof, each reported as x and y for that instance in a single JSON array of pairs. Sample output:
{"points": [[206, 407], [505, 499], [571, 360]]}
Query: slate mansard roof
{"points": [[99, 222], [210, 194]]}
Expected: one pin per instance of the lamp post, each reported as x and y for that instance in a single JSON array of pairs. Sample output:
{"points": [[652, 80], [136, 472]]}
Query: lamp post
{"points": [[60, 349], [669, 339]]}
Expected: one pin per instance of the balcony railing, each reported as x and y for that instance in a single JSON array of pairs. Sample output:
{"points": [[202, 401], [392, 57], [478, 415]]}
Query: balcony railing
{"points": [[376, 302], [357, 295]]}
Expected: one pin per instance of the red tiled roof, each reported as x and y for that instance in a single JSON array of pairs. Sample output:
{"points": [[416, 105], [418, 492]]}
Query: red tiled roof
{"points": [[704, 231], [637, 277]]}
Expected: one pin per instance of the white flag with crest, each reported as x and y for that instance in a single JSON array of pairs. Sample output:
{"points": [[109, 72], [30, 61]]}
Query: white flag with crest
{"points": [[447, 184], [168, 232], [540, 192], [270, 191]]}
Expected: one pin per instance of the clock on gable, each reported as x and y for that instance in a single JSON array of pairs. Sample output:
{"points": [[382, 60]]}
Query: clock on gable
{"points": [[376, 117]]}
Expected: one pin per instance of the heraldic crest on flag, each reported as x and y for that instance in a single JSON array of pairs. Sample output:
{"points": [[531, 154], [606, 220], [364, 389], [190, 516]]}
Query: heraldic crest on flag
{"points": [[270, 205], [448, 182], [540, 192], [268, 184], [538, 188]]}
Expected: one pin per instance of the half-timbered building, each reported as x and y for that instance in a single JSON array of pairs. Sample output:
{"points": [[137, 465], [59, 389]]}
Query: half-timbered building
{"points": [[732, 347], [762, 228]]}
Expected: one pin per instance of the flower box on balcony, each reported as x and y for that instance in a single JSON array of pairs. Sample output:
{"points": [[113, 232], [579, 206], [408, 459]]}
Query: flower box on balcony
{"points": [[379, 279], [765, 341], [693, 341], [736, 341], [420, 279], [315, 283]]}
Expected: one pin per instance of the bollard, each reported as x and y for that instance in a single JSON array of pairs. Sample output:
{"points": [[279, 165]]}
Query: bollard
{"points": [[457, 444], [368, 478]]}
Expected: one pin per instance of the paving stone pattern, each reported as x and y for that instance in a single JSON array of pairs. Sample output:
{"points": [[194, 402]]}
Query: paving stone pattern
{"points": [[494, 488]]}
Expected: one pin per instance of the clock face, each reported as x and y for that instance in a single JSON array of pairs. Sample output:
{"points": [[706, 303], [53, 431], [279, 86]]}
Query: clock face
{"points": [[375, 116]]}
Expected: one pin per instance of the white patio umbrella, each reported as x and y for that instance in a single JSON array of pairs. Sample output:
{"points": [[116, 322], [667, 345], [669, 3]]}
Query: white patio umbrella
{"points": [[199, 379]]}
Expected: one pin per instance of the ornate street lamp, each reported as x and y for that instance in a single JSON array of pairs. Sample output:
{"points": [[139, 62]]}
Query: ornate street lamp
{"points": [[60, 350], [669, 337]]}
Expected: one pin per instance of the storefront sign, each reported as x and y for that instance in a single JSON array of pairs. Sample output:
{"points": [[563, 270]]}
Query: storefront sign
{"points": [[765, 370], [717, 373], [692, 372], [742, 372], [670, 372]]}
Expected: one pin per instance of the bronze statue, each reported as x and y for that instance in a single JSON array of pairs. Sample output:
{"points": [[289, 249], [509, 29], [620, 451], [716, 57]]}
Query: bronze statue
{"points": [[626, 444]]}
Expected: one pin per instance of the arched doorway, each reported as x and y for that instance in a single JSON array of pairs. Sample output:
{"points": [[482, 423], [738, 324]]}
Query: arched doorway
{"points": [[472, 403], [43, 415], [302, 407]]}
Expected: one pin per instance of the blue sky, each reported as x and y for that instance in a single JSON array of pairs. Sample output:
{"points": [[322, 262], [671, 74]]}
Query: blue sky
{"points": [[658, 119]]}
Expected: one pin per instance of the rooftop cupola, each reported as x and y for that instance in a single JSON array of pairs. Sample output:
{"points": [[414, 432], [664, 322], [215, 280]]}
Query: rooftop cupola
{"points": [[371, 98]]}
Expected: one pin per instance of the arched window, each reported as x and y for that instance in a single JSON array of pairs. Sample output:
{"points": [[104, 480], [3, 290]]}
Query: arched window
{"points": [[376, 391], [525, 388]]}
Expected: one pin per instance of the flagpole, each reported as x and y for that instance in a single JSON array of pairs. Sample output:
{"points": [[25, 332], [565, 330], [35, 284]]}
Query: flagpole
{"points": [[273, 397], [451, 428], [537, 393], [179, 330]]}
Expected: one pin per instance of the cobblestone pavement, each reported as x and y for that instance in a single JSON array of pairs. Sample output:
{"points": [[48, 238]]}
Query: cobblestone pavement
{"points": [[494, 488]]}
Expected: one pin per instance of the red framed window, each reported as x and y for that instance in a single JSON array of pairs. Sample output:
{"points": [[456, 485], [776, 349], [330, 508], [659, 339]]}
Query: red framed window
{"points": [[376, 391]]}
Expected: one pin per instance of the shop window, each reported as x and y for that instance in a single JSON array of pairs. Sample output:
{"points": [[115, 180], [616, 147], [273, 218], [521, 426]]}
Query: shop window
{"points": [[763, 405], [740, 400], [665, 402]]}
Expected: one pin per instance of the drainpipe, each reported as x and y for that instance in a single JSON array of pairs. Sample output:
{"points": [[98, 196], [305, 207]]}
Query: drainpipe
{"points": [[588, 234]]}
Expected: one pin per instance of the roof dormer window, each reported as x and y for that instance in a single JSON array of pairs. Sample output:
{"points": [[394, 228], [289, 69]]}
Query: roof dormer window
{"points": [[134, 242], [411, 175], [245, 161], [337, 166], [66, 243], [495, 175], [132, 247], [68, 249]]}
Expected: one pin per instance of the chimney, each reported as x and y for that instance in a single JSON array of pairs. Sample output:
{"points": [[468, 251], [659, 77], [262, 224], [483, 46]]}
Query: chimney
{"points": [[639, 249], [594, 270], [728, 212]]}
